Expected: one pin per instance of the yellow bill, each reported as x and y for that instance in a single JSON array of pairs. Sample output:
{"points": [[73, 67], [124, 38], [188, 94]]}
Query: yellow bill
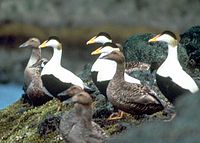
{"points": [[91, 41], [43, 45], [97, 51], [154, 39]]}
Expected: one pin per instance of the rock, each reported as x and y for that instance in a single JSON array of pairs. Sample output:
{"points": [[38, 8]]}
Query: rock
{"points": [[137, 48], [190, 40], [49, 125], [184, 128]]}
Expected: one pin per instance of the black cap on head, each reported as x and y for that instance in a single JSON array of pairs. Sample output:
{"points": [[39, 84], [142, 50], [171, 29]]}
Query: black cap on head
{"points": [[169, 33], [113, 45], [54, 37], [104, 34]]}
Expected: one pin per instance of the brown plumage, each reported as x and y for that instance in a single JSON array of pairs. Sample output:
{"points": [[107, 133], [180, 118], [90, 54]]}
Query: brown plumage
{"points": [[132, 98], [33, 87], [76, 126]]}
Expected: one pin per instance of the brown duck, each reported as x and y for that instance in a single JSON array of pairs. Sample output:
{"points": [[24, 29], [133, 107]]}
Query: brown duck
{"points": [[132, 98], [33, 87], [76, 126]]}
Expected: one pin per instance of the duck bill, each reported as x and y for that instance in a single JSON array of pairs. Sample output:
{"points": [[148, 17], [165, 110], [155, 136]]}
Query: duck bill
{"points": [[24, 45], [154, 39], [96, 52], [43, 45], [91, 41]]}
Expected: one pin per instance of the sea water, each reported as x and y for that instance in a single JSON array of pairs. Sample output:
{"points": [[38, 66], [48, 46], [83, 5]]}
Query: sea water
{"points": [[9, 93]]}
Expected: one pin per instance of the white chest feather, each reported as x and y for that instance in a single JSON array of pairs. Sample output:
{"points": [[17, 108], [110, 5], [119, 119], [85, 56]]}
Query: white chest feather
{"points": [[106, 70], [172, 68], [53, 67]]}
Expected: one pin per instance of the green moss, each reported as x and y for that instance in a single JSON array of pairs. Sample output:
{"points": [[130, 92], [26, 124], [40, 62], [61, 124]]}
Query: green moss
{"points": [[20, 124]]}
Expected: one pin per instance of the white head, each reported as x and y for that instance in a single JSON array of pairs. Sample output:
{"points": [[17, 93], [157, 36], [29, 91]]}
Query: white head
{"points": [[106, 49], [53, 42], [166, 36], [102, 38]]}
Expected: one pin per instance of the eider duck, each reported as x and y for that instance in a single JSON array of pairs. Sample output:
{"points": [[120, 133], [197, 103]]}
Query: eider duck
{"points": [[103, 70], [132, 98], [35, 56], [104, 37], [171, 79], [33, 87], [55, 78], [76, 125]]}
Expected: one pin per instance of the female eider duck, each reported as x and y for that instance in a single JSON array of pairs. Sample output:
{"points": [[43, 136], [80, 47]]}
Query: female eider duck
{"points": [[171, 79], [55, 78], [76, 125], [35, 56], [33, 87], [103, 70], [132, 98]]}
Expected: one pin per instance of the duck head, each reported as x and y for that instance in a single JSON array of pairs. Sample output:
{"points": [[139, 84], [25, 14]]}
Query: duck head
{"points": [[106, 49], [102, 38], [53, 42], [32, 43], [166, 36]]}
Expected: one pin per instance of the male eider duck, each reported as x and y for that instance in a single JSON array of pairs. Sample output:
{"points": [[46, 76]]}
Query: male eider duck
{"points": [[103, 37], [76, 125], [132, 98], [171, 79], [55, 78], [103, 70], [33, 87]]}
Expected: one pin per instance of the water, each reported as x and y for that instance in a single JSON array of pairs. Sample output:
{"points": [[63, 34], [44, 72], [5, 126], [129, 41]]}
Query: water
{"points": [[9, 93]]}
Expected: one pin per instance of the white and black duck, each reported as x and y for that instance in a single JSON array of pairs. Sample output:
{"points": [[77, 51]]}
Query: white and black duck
{"points": [[171, 79], [56, 78]]}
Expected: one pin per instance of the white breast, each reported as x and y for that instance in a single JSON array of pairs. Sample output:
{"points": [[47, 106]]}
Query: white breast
{"points": [[174, 70], [106, 70], [62, 74]]}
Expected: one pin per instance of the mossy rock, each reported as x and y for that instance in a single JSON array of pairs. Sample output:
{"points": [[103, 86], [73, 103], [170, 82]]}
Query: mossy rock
{"points": [[190, 40], [20, 124], [137, 48]]}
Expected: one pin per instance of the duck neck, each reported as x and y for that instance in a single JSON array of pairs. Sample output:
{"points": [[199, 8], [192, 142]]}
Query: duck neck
{"points": [[172, 54], [84, 111], [120, 71], [56, 58], [35, 56]]}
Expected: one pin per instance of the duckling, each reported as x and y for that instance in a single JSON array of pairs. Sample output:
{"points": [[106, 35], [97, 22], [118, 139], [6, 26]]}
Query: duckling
{"points": [[76, 126], [171, 79]]}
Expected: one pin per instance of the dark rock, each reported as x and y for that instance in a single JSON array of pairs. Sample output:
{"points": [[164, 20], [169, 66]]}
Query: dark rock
{"points": [[137, 48], [184, 128], [190, 40], [49, 125]]}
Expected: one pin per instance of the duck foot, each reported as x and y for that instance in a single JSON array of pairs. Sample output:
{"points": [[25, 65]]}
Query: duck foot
{"points": [[116, 116]]}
